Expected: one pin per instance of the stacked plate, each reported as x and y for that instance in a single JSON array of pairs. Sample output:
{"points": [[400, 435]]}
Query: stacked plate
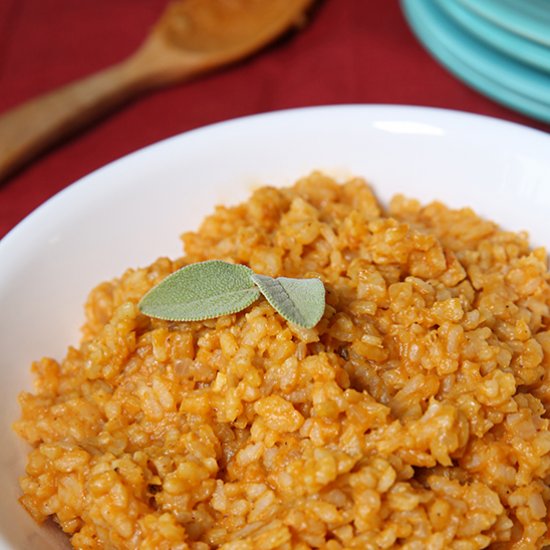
{"points": [[499, 47]]}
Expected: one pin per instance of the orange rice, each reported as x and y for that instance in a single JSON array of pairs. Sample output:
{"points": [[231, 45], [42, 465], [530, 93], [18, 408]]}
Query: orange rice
{"points": [[414, 415]]}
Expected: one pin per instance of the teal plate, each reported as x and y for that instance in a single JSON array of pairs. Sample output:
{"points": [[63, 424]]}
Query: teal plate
{"points": [[528, 18], [514, 45], [506, 81]]}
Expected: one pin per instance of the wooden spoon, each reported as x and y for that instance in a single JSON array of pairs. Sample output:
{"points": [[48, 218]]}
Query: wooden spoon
{"points": [[190, 38]]}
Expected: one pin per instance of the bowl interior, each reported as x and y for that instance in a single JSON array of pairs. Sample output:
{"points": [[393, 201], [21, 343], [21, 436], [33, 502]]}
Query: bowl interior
{"points": [[132, 211]]}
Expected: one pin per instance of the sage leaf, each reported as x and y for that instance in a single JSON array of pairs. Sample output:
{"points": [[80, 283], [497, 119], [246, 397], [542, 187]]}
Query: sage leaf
{"points": [[201, 291], [300, 301]]}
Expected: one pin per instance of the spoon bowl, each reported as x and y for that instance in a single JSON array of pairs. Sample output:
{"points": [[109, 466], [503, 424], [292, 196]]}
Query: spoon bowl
{"points": [[194, 36]]}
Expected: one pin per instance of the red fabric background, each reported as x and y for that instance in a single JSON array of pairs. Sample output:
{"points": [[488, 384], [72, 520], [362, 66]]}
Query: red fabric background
{"points": [[353, 51]]}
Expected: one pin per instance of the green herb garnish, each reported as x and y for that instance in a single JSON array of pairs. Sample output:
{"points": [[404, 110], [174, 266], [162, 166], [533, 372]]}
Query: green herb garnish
{"points": [[300, 301], [201, 291], [209, 289]]}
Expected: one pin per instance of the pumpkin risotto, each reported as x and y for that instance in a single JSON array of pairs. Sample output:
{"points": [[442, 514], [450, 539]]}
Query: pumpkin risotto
{"points": [[414, 415]]}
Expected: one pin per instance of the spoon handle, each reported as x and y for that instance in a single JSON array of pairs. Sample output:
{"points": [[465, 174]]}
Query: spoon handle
{"points": [[31, 128]]}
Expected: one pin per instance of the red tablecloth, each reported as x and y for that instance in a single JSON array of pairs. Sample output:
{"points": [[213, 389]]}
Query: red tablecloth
{"points": [[353, 51]]}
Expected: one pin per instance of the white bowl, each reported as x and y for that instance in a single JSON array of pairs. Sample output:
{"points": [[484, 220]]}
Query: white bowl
{"points": [[133, 210]]}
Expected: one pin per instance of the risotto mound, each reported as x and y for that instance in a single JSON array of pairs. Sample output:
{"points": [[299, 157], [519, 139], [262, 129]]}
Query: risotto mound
{"points": [[414, 415]]}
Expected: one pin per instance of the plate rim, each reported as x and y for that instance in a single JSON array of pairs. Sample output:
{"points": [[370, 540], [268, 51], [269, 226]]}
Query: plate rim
{"points": [[499, 91], [384, 108], [495, 36], [502, 14]]}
